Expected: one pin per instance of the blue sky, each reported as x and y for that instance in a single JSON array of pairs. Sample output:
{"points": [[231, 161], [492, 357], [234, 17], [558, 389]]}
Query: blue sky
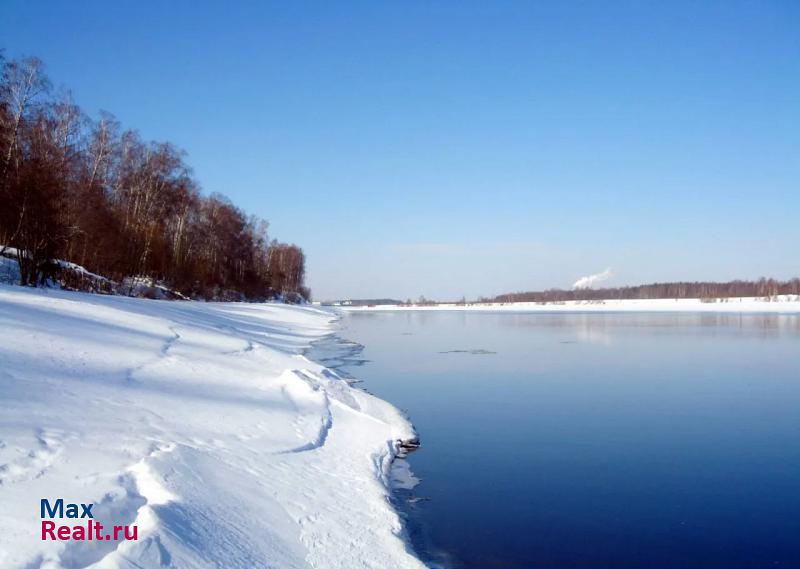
{"points": [[464, 148]]}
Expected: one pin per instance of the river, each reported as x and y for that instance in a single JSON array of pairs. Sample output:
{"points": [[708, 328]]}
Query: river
{"points": [[603, 440]]}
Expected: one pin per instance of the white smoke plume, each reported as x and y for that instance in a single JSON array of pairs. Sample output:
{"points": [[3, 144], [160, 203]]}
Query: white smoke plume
{"points": [[591, 280]]}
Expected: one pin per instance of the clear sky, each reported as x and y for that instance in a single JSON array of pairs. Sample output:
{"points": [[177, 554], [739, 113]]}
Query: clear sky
{"points": [[464, 148]]}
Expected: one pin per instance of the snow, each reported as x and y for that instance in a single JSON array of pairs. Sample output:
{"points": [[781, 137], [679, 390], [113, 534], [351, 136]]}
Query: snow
{"points": [[146, 287], [139, 286], [9, 270], [776, 304], [82, 271], [201, 423]]}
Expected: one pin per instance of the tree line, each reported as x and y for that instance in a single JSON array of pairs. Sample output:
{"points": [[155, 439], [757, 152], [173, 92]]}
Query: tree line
{"points": [[90, 192], [703, 290]]}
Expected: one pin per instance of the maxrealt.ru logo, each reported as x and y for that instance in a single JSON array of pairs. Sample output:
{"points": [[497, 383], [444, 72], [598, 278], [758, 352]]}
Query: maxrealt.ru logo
{"points": [[92, 530]]}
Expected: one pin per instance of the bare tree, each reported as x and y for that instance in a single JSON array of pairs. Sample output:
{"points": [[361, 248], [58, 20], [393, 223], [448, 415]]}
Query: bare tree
{"points": [[86, 191]]}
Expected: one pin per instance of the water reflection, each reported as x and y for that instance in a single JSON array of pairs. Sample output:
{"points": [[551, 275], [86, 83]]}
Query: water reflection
{"points": [[661, 440]]}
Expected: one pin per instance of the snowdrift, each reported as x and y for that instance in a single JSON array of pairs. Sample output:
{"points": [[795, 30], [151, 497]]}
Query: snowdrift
{"points": [[203, 424]]}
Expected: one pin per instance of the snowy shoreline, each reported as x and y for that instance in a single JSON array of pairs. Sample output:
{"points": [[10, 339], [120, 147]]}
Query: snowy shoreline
{"points": [[777, 304], [204, 424]]}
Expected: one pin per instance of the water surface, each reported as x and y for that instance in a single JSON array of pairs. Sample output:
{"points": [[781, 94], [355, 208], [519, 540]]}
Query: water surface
{"points": [[596, 440]]}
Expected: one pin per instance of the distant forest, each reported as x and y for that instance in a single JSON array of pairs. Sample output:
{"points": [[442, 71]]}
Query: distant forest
{"points": [[702, 290], [87, 191]]}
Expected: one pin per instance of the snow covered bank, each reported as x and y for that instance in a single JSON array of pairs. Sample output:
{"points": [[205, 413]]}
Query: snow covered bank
{"points": [[200, 423], [781, 304]]}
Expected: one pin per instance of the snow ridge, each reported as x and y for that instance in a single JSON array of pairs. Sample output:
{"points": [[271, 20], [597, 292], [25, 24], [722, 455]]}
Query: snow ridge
{"points": [[204, 424]]}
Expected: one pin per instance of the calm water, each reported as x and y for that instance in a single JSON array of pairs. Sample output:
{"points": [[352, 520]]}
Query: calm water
{"points": [[596, 440]]}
